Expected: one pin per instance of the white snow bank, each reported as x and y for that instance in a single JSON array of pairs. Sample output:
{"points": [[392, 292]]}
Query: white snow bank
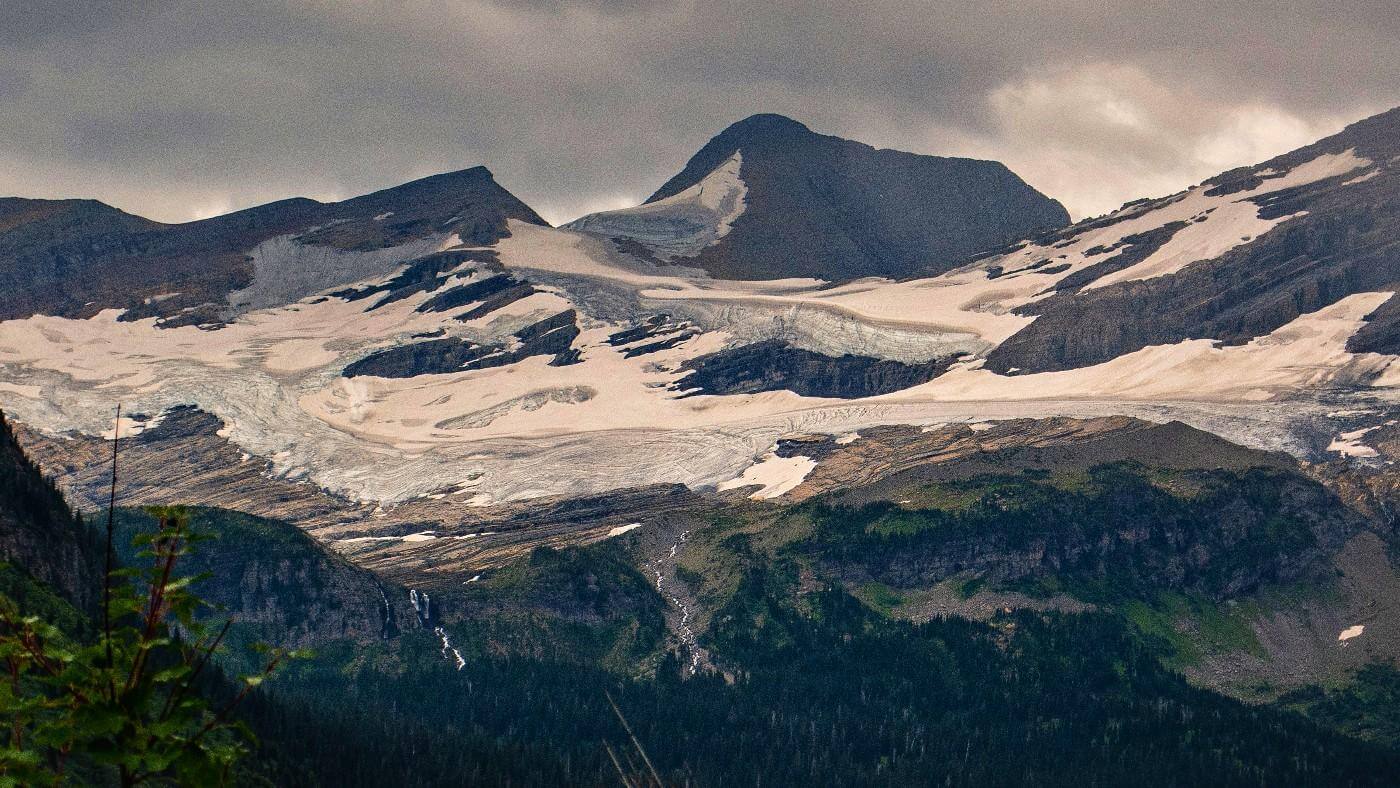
{"points": [[622, 529], [1349, 444], [775, 475]]}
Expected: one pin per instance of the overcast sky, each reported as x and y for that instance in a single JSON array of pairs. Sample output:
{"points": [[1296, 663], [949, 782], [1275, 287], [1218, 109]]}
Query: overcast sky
{"points": [[181, 109]]}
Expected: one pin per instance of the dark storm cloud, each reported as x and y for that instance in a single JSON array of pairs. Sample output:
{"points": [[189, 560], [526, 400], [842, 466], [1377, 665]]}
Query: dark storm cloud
{"points": [[183, 109]]}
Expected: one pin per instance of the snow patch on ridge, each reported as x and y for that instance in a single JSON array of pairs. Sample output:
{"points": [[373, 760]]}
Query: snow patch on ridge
{"points": [[1225, 221], [286, 270], [684, 223], [1214, 224]]}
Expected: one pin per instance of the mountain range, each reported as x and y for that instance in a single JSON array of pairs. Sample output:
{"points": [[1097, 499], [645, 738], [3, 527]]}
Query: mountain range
{"points": [[885, 427]]}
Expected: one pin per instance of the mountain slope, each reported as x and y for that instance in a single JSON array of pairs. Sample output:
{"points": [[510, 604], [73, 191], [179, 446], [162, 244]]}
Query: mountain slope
{"points": [[277, 583], [75, 258], [1301, 232], [787, 202], [807, 637], [40, 538], [430, 380]]}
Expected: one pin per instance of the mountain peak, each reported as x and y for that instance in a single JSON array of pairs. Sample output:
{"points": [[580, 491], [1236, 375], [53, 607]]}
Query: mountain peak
{"points": [[23, 220], [449, 192], [808, 204], [471, 175], [763, 129], [765, 124]]}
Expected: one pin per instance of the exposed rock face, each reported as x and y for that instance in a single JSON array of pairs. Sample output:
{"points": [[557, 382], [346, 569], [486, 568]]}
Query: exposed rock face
{"points": [[423, 275], [820, 206], [280, 585], [493, 537], [435, 356], [1132, 250], [1343, 237], [75, 258], [478, 290], [183, 460], [1298, 642], [549, 337], [1381, 334], [39, 535], [653, 335], [772, 365]]}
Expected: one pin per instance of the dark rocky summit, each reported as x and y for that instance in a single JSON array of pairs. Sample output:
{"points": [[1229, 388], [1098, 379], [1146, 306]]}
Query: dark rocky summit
{"points": [[826, 207]]}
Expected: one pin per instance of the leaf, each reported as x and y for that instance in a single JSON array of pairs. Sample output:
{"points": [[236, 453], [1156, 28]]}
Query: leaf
{"points": [[170, 674]]}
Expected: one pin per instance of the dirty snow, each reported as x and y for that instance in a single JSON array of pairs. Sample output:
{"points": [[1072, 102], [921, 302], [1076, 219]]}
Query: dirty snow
{"points": [[1308, 352], [272, 375], [684, 223]]}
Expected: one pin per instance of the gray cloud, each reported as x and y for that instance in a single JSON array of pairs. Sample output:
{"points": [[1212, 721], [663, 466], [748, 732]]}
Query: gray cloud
{"points": [[184, 109]]}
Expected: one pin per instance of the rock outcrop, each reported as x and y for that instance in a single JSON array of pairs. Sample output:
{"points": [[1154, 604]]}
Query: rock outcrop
{"points": [[39, 535]]}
